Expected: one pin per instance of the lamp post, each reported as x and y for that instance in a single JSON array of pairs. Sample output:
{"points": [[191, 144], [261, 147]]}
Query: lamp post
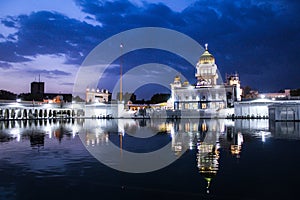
{"points": [[121, 63]]}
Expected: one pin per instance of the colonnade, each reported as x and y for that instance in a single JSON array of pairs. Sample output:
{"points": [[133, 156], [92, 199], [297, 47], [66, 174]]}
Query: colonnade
{"points": [[36, 113]]}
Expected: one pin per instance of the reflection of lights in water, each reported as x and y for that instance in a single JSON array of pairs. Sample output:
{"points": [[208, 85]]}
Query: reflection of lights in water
{"points": [[207, 161], [74, 131], [122, 133], [96, 137], [106, 138], [236, 148], [204, 126], [191, 145], [263, 135], [48, 131], [178, 147], [172, 132], [16, 134]]}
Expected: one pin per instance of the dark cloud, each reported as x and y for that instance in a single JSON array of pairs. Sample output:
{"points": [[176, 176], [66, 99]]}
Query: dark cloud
{"points": [[257, 38], [254, 38], [9, 52], [49, 33], [10, 22]]}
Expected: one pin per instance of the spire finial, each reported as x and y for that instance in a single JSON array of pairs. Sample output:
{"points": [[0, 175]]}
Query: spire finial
{"points": [[206, 46]]}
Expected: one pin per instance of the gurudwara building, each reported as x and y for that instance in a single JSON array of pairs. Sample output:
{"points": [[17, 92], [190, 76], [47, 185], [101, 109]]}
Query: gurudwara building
{"points": [[208, 92]]}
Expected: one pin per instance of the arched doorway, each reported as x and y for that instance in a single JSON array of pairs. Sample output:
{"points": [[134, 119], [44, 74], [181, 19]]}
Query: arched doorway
{"points": [[25, 114], [6, 114], [45, 113], [13, 114], [41, 113], [50, 114]]}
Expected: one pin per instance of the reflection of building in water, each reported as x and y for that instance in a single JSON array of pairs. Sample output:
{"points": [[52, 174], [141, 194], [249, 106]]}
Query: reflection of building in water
{"points": [[37, 140], [186, 133], [203, 134], [232, 141], [251, 125], [97, 131], [207, 161], [36, 131], [236, 147], [96, 138], [285, 130]]}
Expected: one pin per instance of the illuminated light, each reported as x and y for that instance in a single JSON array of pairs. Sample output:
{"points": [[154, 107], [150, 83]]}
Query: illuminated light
{"points": [[203, 126], [191, 145], [18, 100], [263, 138], [74, 131], [262, 96]]}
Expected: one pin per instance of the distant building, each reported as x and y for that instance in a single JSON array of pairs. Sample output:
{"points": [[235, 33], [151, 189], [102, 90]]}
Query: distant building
{"points": [[37, 88], [37, 93], [257, 108], [57, 97], [97, 96], [206, 93], [233, 89], [278, 95]]}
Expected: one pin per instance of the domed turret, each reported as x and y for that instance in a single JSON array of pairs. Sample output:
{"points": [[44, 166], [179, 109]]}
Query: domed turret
{"points": [[206, 57], [177, 78], [186, 83], [206, 69]]}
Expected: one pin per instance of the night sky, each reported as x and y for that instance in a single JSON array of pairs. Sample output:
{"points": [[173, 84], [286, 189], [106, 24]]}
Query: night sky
{"points": [[259, 39]]}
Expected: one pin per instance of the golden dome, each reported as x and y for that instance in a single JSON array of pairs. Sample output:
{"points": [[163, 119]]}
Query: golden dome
{"points": [[186, 83], [206, 57], [177, 78]]}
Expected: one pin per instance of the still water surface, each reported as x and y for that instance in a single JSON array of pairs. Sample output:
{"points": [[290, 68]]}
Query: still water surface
{"points": [[217, 159]]}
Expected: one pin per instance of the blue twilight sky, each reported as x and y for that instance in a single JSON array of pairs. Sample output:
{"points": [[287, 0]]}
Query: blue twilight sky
{"points": [[257, 38]]}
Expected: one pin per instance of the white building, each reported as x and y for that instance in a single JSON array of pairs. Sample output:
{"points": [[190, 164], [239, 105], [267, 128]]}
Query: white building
{"points": [[97, 96], [206, 93], [252, 109], [233, 89]]}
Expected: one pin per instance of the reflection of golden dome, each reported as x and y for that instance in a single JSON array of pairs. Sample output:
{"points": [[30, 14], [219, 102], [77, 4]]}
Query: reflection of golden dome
{"points": [[235, 149], [206, 57], [207, 161]]}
